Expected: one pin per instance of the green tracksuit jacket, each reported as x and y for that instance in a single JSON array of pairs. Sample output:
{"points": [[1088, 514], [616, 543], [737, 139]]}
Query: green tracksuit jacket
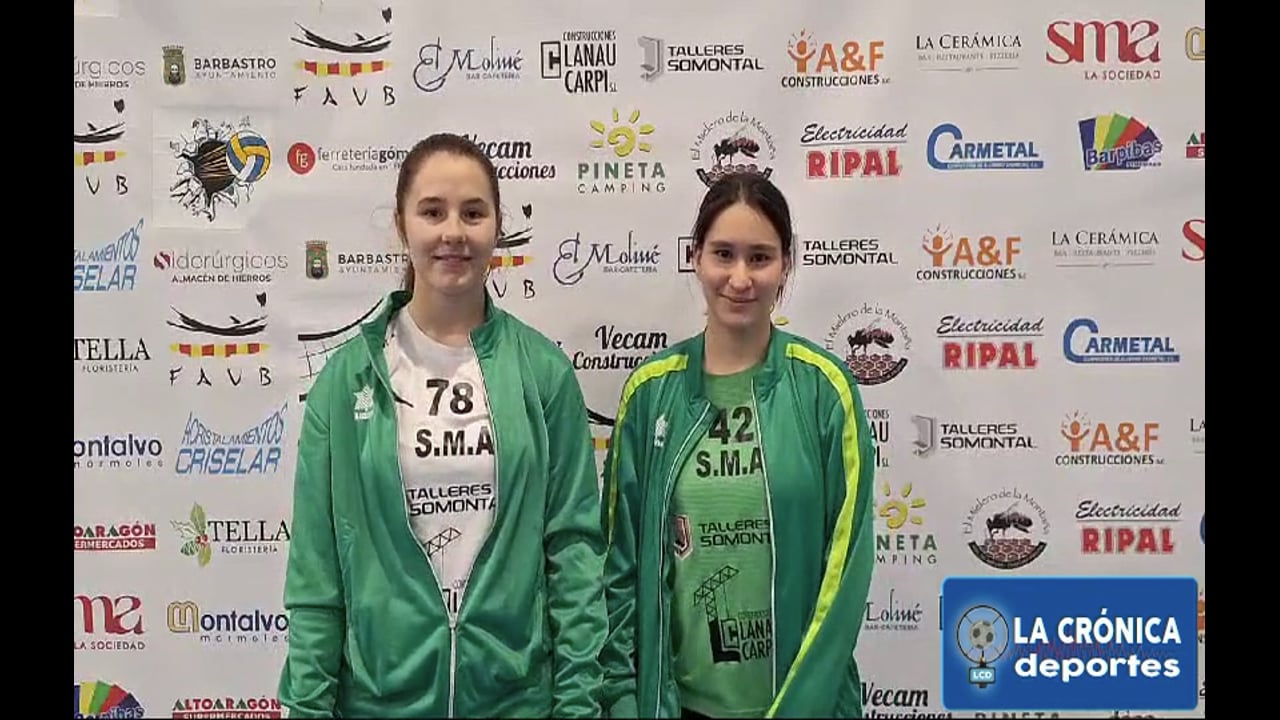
{"points": [[368, 632], [819, 464]]}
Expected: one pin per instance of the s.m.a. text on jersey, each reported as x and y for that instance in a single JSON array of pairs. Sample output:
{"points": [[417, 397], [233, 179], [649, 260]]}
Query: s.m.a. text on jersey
{"points": [[255, 451]]}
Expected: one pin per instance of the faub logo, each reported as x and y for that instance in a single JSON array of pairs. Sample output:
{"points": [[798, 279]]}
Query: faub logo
{"points": [[1107, 349], [838, 64], [993, 517], [855, 332], [111, 267], [218, 165], [1118, 142], [510, 254], [735, 136], [601, 430], [629, 140], [100, 146], [984, 155], [100, 699], [225, 352], [334, 61]]}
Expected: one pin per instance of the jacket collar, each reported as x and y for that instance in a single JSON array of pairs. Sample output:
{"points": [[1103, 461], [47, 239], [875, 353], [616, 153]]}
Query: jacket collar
{"points": [[484, 337], [770, 370]]}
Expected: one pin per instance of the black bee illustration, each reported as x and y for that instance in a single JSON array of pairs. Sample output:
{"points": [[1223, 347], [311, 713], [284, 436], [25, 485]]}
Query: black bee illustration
{"points": [[868, 336], [1009, 519]]}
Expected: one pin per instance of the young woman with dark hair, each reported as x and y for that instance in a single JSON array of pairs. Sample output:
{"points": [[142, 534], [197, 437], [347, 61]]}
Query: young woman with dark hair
{"points": [[737, 498]]}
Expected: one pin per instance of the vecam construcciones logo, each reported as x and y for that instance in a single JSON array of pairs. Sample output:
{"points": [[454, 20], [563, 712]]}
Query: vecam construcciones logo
{"points": [[255, 451], [111, 267]]}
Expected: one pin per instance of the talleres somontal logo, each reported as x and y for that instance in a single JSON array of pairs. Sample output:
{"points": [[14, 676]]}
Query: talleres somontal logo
{"points": [[1069, 643]]}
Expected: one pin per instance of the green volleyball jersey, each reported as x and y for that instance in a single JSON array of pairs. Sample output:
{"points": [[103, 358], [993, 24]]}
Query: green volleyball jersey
{"points": [[721, 611]]}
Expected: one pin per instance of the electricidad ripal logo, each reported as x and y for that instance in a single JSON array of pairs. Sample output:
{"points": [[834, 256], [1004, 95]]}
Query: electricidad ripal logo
{"points": [[254, 451]]}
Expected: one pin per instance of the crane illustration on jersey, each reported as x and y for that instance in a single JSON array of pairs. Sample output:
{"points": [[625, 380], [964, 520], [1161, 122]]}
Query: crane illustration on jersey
{"points": [[710, 596]]}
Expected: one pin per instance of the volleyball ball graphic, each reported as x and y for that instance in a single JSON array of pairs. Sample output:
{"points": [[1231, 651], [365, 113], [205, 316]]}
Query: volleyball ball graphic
{"points": [[248, 156]]}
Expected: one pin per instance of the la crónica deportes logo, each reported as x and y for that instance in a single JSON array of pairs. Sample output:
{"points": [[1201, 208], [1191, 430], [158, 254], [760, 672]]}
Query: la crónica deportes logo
{"points": [[1069, 643]]}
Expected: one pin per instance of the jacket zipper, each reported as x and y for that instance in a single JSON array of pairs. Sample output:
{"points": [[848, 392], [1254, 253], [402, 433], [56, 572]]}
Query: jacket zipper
{"points": [[773, 550], [664, 548], [452, 615]]}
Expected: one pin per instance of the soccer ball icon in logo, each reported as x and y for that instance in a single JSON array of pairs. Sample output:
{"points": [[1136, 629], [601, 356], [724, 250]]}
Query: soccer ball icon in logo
{"points": [[982, 636], [217, 165]]}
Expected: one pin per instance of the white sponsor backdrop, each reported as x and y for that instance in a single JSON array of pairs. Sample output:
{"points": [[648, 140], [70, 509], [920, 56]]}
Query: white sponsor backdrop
{"points": [[234, 178]]}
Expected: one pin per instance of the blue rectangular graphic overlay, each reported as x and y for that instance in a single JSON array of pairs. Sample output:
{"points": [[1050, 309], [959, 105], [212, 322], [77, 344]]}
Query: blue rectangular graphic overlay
{"points": [[1069, 643]]}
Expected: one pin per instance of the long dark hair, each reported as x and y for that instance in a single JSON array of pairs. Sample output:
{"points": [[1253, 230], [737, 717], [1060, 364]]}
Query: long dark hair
{"points": [[758, 193], [437, 143]]}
